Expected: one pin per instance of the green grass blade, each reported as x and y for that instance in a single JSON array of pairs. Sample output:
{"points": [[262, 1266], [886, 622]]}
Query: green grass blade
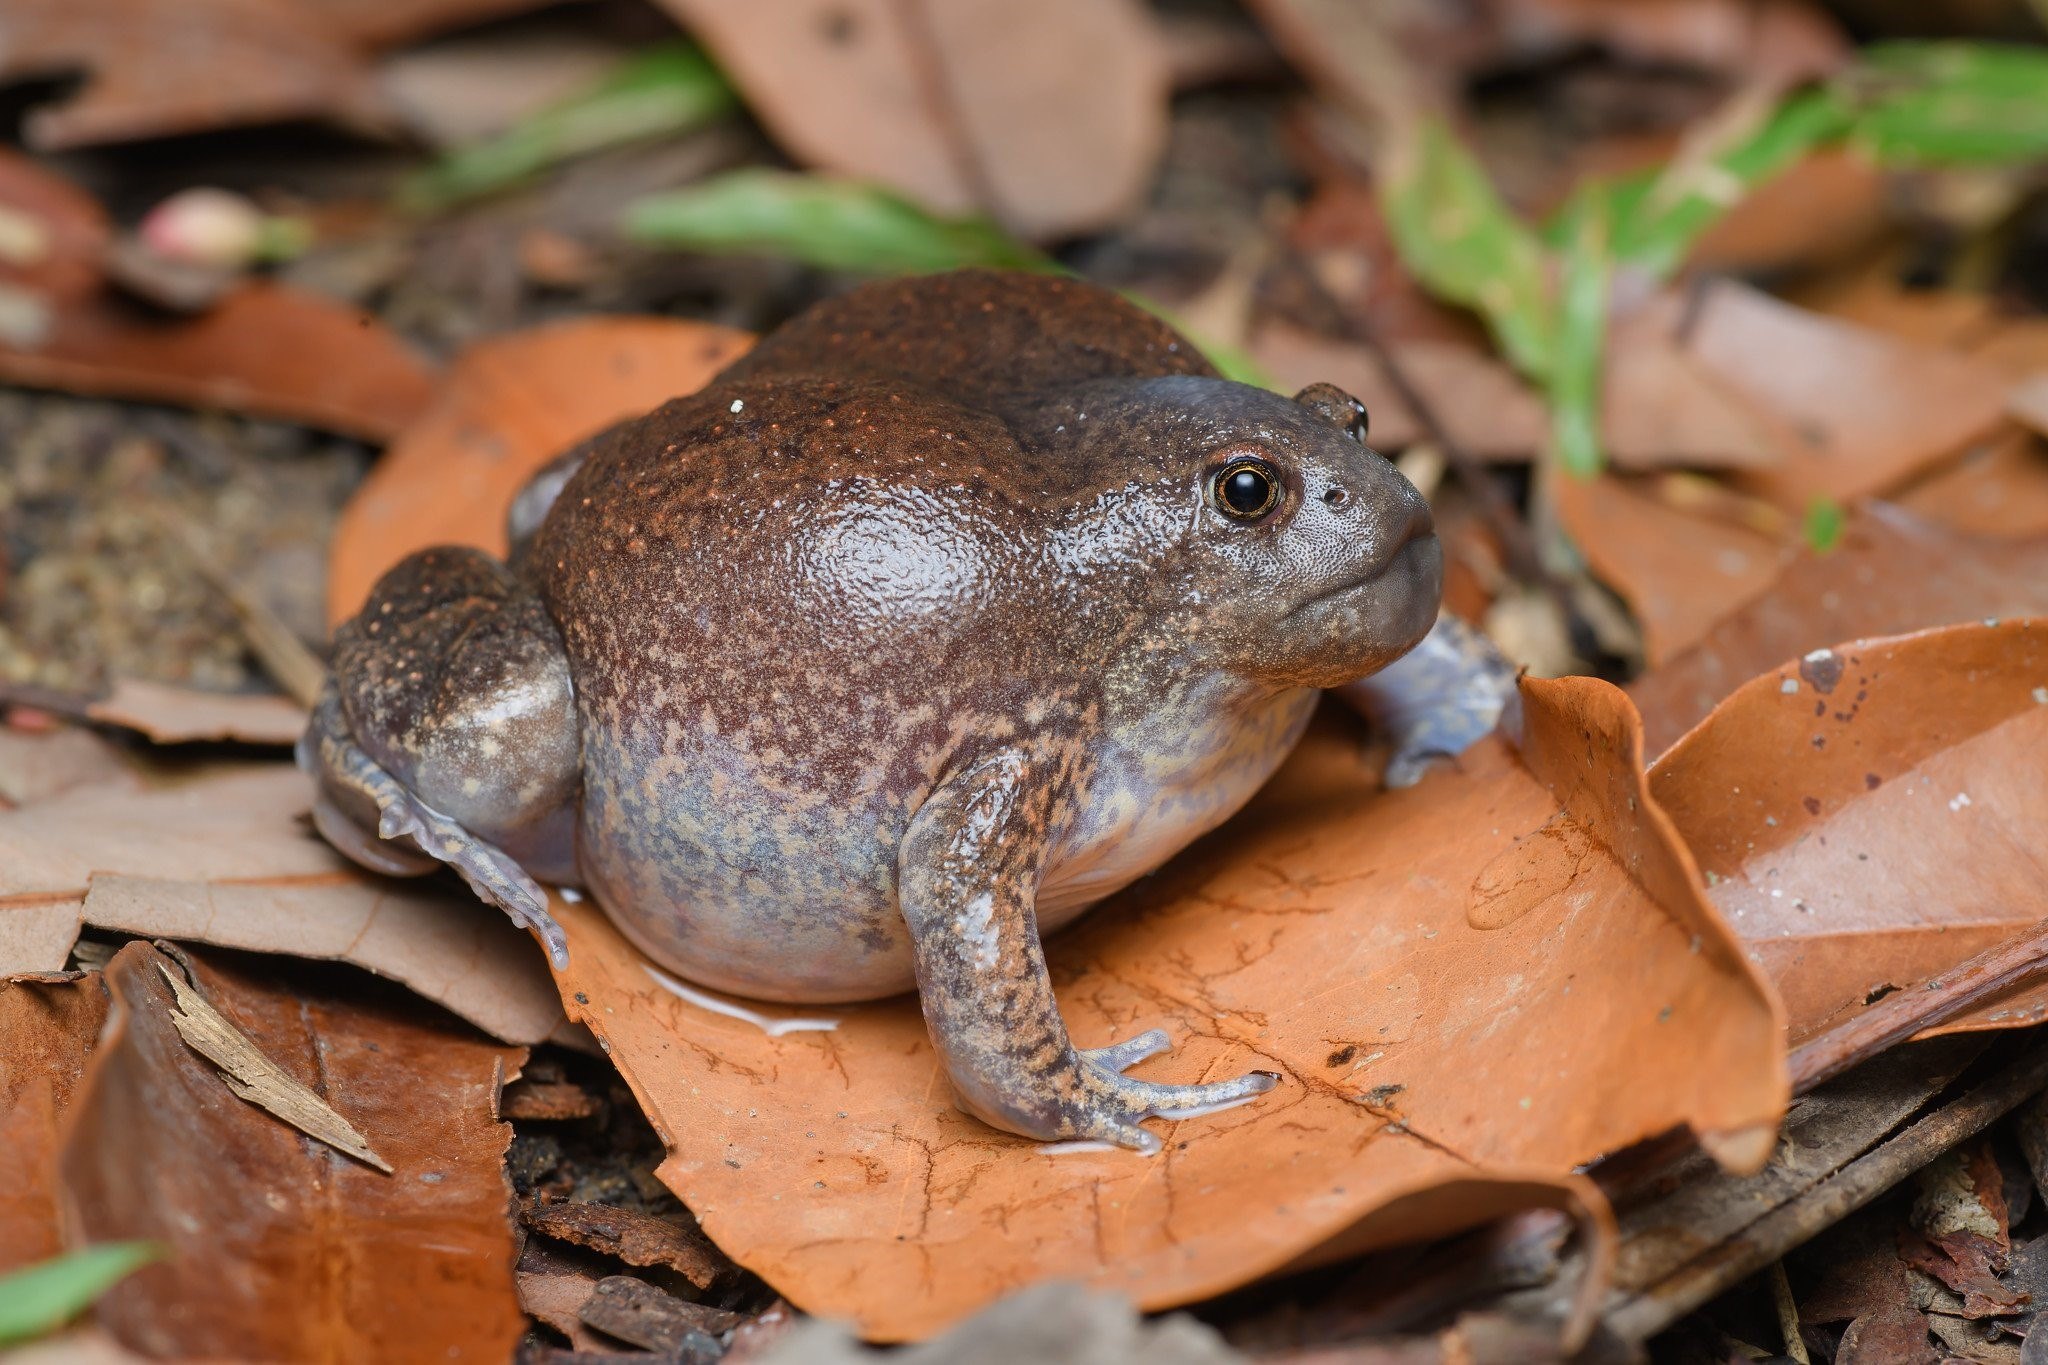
{"points": [[1574, 379], [1461, 241], [49, 1294], [824, 222], [1944, 103], [664, 91], [1660, 214]]}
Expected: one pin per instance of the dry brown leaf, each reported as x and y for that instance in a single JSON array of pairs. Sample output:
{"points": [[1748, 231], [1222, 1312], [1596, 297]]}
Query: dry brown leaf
{"points": [[2000, 488], [1890, 574], [333, 1260], [1856, 412], [1821, 209], [46, 1030], [1485, 407], [37, 765], [2028, 402], [1047, 117], [506, 408], [1869, 816], [1681, 570], [228, 859], [636, 1238], [1466, 993], [265, 348], [255, 1078], [178, 715], [396, 23], [1660, 408], [154, 68]]}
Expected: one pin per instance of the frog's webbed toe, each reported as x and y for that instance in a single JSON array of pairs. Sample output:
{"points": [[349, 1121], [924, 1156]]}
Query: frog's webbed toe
{"points": [[1437, 700], [1110, 1106], [411, 838]]}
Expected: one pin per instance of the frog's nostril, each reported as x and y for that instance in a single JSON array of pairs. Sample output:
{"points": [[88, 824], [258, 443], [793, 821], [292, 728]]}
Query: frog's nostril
{"points": [[1335, 496]]}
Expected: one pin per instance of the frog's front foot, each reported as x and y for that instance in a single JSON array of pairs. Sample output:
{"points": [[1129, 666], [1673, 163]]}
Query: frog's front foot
{"points": [[1437, 700]]}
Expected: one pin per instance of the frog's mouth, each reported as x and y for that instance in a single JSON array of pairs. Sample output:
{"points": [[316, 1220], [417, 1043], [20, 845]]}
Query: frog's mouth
{"points": [[1414, 554]]}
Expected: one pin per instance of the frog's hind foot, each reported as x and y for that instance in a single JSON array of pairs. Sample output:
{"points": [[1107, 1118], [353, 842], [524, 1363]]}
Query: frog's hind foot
{"points": [[412, 837], [1112, 1106]]}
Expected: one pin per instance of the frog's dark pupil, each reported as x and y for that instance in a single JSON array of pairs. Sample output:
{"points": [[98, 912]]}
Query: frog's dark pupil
{"points": [[1246, 491]]}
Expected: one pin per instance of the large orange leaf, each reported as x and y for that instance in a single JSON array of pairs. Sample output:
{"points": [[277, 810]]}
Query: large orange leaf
{"points": [[1869, 816], [1497, 975], [506, 408], [281, 1248]]}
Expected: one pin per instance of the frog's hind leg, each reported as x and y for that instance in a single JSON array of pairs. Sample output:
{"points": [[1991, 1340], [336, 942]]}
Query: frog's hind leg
{"points": [[448, 729], [967, 880]]}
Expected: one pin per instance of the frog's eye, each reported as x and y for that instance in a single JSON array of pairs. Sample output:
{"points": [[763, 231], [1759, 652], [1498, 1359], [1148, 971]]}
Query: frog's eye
{"points": [[1245, 489]]}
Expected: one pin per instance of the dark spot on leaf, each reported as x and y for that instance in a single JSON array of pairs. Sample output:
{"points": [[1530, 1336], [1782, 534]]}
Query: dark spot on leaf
{"points": [[1821, 669], [1871, 782], [1812, 804], [1342, 1055], [1878, 993], [1381, 1094]]}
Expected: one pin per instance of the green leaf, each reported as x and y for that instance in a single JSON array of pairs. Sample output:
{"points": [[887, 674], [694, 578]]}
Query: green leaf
{"points": [[1661, 213], [661, 92], [1932, 103], [47, 1295], [1574, 378], [1458, 237], [1823, 526], [823, 222]]}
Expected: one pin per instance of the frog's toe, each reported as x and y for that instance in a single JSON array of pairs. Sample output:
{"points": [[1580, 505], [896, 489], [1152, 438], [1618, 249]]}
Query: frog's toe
{"points": [[1118, 1104], [490, 872], [1122, 1056]]}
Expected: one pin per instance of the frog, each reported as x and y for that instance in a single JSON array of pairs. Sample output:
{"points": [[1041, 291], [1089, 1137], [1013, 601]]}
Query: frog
{"points": [[958, 604]]}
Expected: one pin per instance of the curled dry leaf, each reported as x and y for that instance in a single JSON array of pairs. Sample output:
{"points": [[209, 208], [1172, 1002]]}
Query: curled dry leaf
{"points": [[335, 1260], [1870, 815], [46, 1030], [1469, 986], [506, 408], [1047, 117], [155, 68], [1889, 574], [228, 859]]}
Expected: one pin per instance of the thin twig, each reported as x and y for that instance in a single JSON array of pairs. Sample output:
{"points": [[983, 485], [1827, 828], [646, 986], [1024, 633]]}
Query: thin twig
{"points": [[1892, 1020]]}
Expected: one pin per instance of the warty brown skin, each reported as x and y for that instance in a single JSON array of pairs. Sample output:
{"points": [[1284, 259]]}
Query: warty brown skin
{"points": [[925, 626]]}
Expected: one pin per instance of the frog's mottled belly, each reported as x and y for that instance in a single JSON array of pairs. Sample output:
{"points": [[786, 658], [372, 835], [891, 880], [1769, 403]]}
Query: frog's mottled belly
{"points": [[720, 868]]}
